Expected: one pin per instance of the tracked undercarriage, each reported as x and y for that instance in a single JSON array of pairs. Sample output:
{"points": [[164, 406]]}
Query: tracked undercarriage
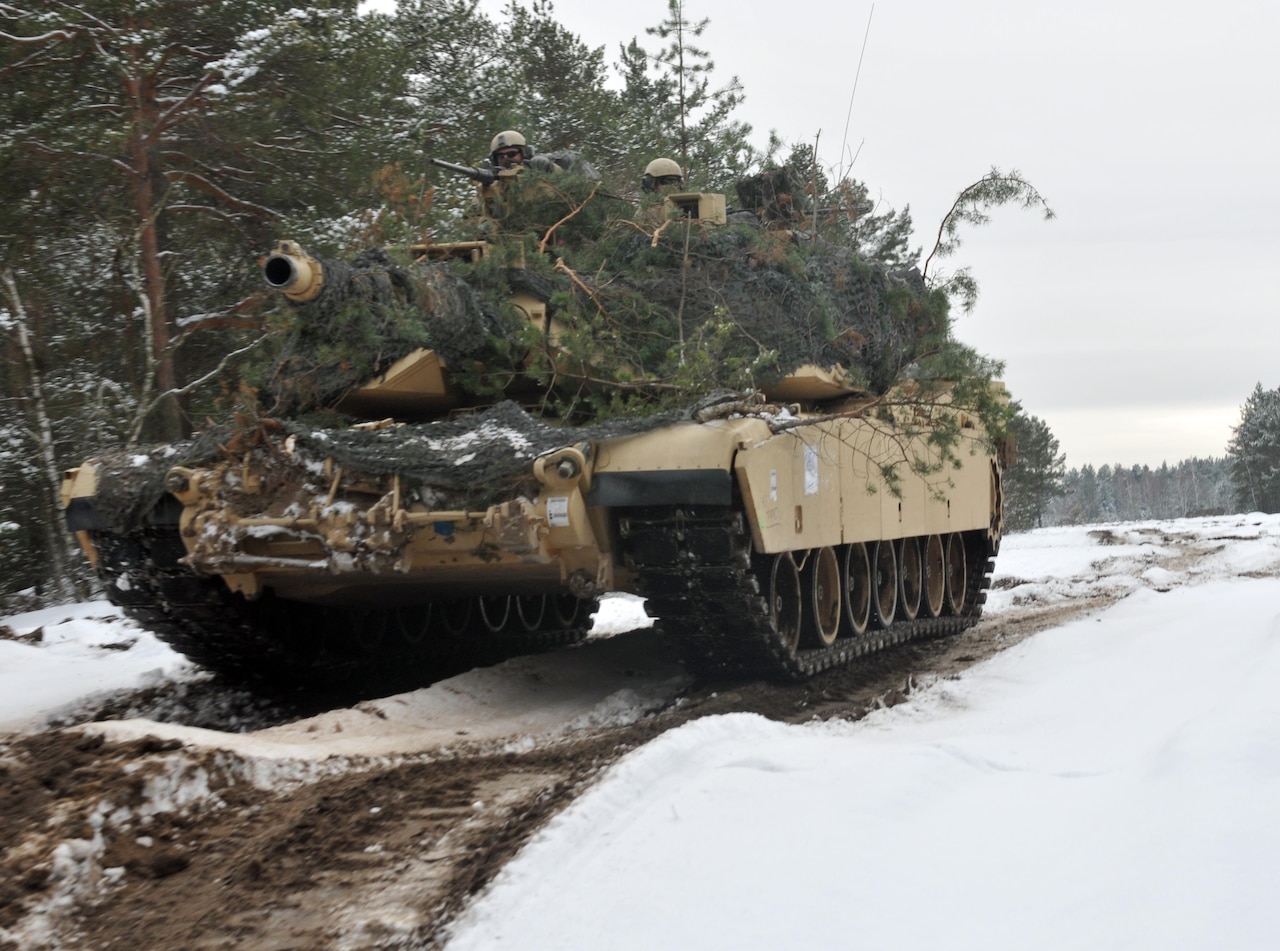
{"points": [[274, 641], [734, 612]]}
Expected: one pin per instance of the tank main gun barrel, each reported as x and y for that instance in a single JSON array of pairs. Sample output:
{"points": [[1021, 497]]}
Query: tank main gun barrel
{"points": [[486, 176], [293, 272]]}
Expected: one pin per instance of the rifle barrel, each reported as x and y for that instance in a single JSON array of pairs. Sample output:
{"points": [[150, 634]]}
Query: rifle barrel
{"points": [[488, 176]]}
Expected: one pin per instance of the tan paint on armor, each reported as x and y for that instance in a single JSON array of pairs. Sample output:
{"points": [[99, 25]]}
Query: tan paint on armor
{"points": [[417, 382], [706, 207], [854, 502]]}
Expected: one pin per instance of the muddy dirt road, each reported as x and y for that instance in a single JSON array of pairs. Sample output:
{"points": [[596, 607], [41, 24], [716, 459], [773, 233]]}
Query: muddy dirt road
{"points": [[363, 826]]}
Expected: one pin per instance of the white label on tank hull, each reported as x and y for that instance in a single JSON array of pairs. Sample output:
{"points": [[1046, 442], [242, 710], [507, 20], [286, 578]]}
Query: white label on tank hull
{"points": [[810, 470], [773, 485], [558, 511]]}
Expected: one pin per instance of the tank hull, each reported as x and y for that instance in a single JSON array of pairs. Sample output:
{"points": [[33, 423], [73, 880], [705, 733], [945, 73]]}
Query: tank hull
{"points": [[767, 545]]}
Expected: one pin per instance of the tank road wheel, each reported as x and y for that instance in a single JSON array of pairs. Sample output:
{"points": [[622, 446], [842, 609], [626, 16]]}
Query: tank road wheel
{"points": [[910, 576], [371, 630], [568, 619], [935, 575], [957, 586], [822, 598], [531, 610], [785, 600], [455, 616], [564, 610], [412, 624], [857, 588], [884, 604], [494, 611]]}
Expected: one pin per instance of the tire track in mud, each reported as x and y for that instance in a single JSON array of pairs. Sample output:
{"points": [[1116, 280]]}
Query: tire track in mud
{"points": [[355, 853]]}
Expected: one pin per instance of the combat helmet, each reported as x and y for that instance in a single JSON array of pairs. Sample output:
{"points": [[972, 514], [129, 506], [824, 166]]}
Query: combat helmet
{"points": [[510, 139], [660, 173]]}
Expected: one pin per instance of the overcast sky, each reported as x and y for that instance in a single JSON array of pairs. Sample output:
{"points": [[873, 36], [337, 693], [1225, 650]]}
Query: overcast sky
{"points": [[1137, 322]]}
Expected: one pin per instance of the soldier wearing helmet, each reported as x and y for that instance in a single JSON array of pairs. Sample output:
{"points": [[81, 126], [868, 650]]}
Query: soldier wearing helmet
{"points": [[662, 174], [509, 150]]}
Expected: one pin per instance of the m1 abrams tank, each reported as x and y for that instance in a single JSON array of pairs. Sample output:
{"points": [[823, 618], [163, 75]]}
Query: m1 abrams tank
{"points": [[775, 532]]}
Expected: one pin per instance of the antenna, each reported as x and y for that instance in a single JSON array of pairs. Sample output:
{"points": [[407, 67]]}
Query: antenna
{"points": [[857, 73]]}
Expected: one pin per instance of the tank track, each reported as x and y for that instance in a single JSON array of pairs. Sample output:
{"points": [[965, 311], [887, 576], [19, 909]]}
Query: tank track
{"points": [[290, 644], [696, 568]]}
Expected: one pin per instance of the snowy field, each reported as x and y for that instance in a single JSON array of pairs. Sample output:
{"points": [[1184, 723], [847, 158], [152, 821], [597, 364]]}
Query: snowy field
{"points": [[1110, 783]]}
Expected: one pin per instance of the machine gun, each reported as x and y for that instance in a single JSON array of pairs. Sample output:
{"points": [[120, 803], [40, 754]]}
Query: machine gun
{"points": [[485, 176]]}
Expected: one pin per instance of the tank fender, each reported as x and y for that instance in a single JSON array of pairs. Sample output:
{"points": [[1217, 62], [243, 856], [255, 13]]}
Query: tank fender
{"points": [[828, 483], [686, 464], [793, 486]]}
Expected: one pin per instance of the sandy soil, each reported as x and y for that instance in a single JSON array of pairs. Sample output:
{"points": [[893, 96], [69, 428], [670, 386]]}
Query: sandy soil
{"points": [[159, 843]]}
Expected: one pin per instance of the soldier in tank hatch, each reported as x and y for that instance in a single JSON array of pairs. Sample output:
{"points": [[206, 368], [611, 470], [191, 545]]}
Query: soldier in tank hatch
{"points": [[662, 175], [509, 150]]}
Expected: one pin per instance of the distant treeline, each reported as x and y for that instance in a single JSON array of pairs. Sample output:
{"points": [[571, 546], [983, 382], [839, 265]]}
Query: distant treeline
{"points": [[1120, 493]]}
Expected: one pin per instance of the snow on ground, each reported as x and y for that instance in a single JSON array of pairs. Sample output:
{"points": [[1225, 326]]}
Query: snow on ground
{"points": [[616, 682], [1110, 783], [87, 652], [80, 652]]}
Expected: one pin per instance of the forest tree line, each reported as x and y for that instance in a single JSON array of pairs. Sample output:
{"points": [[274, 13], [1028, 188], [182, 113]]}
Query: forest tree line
{"points": [[1042, 491]]}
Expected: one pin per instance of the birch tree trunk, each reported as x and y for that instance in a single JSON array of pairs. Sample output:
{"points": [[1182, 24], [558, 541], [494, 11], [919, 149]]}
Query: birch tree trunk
{"points": [[61, 576]]}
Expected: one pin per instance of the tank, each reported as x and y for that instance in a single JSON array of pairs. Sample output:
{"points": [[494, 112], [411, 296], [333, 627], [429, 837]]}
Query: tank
{"points": [[432, 517]]}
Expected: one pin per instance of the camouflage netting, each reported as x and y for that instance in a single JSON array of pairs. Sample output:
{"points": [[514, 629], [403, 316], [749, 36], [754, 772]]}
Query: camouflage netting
{"points": [[782, 301], [664, 310], [466, 462], [567, 160], [569, 211], [131, 484], [775, 195], [654, 317], [369, 313], [755, 298]]}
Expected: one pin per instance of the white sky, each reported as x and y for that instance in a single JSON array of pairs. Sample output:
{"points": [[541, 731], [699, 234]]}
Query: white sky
{"points": [[1137, 323], [1110, 783]]}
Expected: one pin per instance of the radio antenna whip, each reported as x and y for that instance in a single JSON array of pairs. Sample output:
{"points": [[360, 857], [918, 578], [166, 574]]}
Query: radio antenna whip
{"points": [[857, 73]]}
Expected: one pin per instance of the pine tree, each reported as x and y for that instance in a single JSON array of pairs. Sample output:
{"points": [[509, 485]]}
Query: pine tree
{"points": [[1038, 474], [150, 151], [185, 127], [699, 129], [1254, 452], [560, 94], [878, 234], [472, 76], [648, 105], [973, 206]]}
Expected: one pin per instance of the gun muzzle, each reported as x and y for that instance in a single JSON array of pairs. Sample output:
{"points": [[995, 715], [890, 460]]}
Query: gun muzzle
{"points": [[293, 272], [486, 176]]}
